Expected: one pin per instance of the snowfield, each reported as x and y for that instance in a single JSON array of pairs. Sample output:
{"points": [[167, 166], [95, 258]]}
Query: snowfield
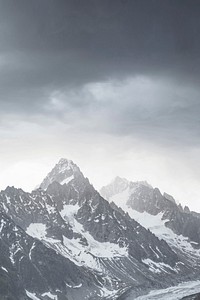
{"points": [[156, 225], [74, 249], [172, 293]]}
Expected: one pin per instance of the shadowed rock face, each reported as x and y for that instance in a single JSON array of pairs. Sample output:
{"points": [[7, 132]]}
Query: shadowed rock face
{"points": [[70, 242]]}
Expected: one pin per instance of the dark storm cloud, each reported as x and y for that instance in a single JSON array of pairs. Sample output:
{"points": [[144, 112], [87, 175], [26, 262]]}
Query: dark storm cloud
{"points": [[48, 46], [59, 42]]}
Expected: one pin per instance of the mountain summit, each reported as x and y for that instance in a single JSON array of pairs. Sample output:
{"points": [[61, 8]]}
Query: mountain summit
{"points": [[63, 172]]}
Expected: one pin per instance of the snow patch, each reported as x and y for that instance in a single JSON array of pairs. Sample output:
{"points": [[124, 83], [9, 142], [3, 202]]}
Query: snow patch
{"points": [[4, 269], [3, 222], [157, 267], [37, 230], [67, 180], [30, 251], [50, 295], [32, 295]]}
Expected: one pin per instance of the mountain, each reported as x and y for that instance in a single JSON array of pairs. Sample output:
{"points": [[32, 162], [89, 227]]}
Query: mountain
{"points": [[63, 172], [64, 241], [32, 268], [160, 214]]}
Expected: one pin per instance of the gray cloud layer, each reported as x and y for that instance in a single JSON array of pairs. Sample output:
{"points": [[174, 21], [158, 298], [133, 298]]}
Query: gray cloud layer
{"points": [[53, 54]]}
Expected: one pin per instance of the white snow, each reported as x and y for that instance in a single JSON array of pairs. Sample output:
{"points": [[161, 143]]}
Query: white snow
{"points": [[32, 296], [68, 212], [50, 295], [50, 209], [156, 225], [3, 222], [86, 254], [121, 199], [4, 269], [67, 180], [172, 293], [77, 286], [107, 293], [74, 249], [30, 252], [7, 199], [13, 250], [74, 286], [157, 267], [98, 249], [37, 230]]}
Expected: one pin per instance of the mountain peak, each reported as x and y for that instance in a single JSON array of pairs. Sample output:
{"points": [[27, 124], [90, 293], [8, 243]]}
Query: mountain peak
{"points": [[116, 186], [65, 161], [119, 185], [63, 172], [119, 179]]}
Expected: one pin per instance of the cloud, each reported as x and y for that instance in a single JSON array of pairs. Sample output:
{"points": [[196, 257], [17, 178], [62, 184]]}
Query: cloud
{"points": [[154, 109], [147, 108], [49, 46]]}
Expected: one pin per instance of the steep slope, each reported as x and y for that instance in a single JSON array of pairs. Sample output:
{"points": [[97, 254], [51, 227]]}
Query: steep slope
{"points": [[30, 268], [159, 213]]}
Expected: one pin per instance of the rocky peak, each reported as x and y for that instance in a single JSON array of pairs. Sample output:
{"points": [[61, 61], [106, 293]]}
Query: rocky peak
{"points": [[118, 185], [186, 210], [169, 197], [63, 172]]}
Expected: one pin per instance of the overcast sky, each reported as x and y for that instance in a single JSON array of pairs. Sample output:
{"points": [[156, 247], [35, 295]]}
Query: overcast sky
{"points": [[113, 85]]}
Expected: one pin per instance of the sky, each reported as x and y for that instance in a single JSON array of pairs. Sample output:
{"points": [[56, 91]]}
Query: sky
{"points": [[111, 84]]}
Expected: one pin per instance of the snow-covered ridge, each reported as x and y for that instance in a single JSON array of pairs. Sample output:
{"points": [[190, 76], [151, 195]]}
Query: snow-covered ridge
{"points": [[156, 224]]}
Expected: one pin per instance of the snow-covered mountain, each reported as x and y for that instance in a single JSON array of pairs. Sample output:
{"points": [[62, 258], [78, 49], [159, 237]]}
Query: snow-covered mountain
{"points": [[160, 214], [63, 172], [64, 241]]}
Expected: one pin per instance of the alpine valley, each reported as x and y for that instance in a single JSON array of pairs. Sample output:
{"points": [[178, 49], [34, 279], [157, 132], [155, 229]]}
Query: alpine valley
{"points": [[67, 241]]}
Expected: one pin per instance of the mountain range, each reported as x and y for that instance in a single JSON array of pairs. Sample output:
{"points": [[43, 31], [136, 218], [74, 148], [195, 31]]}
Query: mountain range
{"points": [[65, 240]]}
